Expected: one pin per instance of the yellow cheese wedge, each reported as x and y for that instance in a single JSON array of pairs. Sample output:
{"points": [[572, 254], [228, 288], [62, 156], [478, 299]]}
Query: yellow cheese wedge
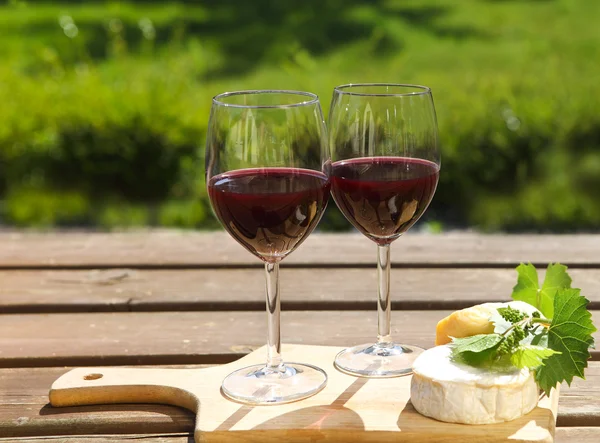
{"points": [[464, 323], [472, 321]]}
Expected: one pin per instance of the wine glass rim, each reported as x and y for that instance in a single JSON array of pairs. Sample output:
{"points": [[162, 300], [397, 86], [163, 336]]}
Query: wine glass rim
{"points": [[314, 98], [421, 90]]}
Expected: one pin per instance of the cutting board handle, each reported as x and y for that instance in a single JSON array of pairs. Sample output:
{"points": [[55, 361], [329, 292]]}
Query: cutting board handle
{"points": [[92, 386]]}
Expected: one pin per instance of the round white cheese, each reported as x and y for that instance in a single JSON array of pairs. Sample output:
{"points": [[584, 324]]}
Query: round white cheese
{"points": [[458, 393]]}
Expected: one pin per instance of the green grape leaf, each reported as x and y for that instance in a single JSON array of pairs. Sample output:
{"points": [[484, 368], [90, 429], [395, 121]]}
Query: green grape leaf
{"points": [[484, 358], [539, 337], [556, 279], [527, 286], [529, 356], [570, 333], [478, 350], [528, 290], [475, 343]]}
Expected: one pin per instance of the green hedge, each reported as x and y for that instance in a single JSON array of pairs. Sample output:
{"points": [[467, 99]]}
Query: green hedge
{"points": [[102, 148], [107, 128]]}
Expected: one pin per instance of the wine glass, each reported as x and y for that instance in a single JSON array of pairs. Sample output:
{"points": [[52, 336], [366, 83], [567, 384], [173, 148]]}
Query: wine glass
{"points": [[386, 162], [267, 173]]}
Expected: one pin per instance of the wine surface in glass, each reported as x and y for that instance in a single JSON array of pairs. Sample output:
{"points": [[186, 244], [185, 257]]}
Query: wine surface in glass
{"points": [[270, 211], [383, 196]]}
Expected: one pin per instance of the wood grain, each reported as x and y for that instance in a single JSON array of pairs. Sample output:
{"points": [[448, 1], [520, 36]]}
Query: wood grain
{"points": [[24, 410], [243, 289], [188, 271], [24, 399], [563, 435], [115, 438], [190, 337], [580, 403], [348, 408], [202, 249], [185, 337], [576, 435]]}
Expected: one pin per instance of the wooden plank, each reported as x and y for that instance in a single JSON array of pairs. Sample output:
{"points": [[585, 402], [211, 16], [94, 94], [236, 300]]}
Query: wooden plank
{"points": [[201, 249], [243, 289], [190, 337], [573, 435], [24, 410], [563, 435], [115, 438], [579, 404], [185, 337]]}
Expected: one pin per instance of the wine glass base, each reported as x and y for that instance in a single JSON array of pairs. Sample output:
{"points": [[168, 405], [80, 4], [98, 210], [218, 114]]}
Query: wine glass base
{"points": [[259, 385], [378, 360]]}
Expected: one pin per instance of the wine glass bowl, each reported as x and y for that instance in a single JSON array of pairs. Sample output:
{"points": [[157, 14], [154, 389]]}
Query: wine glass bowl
{"points": [[383, 196], [267, 173], [384, 172]]}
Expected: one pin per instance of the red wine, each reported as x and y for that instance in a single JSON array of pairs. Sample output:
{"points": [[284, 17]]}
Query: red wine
{"points": [[270, 211], [383, 196]]}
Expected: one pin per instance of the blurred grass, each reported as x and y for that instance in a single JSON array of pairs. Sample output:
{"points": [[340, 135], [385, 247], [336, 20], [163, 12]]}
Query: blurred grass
{"points": [[105, 105]]}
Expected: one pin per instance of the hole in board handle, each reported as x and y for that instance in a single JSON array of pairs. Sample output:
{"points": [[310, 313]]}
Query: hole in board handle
{"points": [[92, 376]]}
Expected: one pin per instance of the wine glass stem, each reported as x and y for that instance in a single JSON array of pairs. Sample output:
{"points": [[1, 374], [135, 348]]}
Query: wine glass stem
{"points": [[384, 302], [274, 361]]}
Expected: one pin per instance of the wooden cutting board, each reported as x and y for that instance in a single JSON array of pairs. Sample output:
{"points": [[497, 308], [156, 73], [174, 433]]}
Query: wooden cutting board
{"points": [[349, 409]]}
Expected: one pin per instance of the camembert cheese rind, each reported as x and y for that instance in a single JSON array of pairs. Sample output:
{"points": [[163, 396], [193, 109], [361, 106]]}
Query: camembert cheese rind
{"points": [[458, 393]]}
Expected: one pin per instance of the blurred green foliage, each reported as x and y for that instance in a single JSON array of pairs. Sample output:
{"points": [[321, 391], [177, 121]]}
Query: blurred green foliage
{"points": [[104, 106]]}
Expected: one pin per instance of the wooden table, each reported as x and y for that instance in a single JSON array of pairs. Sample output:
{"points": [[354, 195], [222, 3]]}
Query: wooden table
{"points": [[172, 298]]}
